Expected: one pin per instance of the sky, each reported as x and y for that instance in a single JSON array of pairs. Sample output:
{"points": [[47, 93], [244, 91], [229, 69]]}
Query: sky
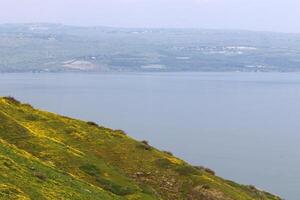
{"points": [[261, 15]]}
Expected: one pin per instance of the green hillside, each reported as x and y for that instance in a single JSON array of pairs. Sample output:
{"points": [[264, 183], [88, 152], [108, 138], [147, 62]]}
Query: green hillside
{"points": [[47, 156]]}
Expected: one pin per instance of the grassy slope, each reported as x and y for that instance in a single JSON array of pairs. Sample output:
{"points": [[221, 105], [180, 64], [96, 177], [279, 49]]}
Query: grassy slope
{"points": [[47, 156]]}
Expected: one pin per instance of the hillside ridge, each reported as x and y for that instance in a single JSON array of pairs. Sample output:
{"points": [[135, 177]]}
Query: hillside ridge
{"points": [[46, 156]]}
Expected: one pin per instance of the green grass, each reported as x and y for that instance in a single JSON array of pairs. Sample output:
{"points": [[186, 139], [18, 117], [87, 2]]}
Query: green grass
{"points": [[47, 156]]}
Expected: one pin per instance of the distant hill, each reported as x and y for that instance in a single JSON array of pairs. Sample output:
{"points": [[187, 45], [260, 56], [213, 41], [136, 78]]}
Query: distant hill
{"points": [[61, 48], [45, 156]]}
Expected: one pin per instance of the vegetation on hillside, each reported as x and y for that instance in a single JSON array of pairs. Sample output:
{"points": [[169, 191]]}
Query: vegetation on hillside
{"points": [[45, 156]]}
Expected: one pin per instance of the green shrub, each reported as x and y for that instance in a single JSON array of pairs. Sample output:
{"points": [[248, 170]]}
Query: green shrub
{"points": [[206, 187], [27, 105], [186, 170], [121, 132], [205, 169], [40, 176], [69, 130], [91, 170], [92, 123], [148, 190], [145, 147], [164, 163], [145, 142], [210, 171], [168, 152], [31, 117], [251, 187], [12, 100], [115, 188], [106, 184]]}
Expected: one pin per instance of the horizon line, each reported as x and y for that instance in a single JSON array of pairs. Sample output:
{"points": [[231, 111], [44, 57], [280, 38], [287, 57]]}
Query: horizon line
{"points": [[153, 28]]}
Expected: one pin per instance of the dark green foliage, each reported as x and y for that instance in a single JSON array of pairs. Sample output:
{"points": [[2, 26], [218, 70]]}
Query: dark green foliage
{"points": [[148, 190], [31, 117], [205, 169], [185, 170], [206, 187], [168, 152], [164, 163], [40, 176], [92, 123], [91, 170], [145, 142], [144, 147], [210, 171], [115, 188], [12, 100], [107, 184], [27, 105], [121, 132]]}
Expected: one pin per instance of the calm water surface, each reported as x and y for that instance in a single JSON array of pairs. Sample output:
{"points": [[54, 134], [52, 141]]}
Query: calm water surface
{"points": [[245, 126]]}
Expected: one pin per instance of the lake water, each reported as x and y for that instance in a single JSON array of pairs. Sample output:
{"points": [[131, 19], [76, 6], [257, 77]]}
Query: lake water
{"points": [[245, 126]]}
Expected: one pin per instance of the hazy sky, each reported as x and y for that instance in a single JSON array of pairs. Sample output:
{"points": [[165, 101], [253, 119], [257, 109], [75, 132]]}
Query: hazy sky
{"points": [[271, 15]]}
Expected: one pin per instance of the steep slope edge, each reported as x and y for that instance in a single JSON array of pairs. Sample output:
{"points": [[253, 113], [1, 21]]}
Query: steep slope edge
{"points": [[47, 156]]}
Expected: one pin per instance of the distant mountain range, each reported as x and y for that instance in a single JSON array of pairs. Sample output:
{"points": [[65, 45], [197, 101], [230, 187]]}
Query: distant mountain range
{"points": [[45, 156], [61, 48]]}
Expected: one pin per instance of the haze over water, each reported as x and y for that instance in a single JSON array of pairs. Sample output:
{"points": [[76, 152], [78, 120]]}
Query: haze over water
{"points": [[245, 126]]}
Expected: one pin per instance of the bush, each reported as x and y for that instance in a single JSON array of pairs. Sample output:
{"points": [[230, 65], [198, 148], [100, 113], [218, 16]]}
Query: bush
{"points": [[164, 163], [115, 188], [186, 170], [12, 100], [27, 105], [40, 176], [145, 145], [145, 142], [205, 186], [251, 187], [210, 171], [205, 169], [148, 190], [31, 117], [94, 171], [120, 132], [92, 123], [91, 170], [69, 130], [168, 152]]}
